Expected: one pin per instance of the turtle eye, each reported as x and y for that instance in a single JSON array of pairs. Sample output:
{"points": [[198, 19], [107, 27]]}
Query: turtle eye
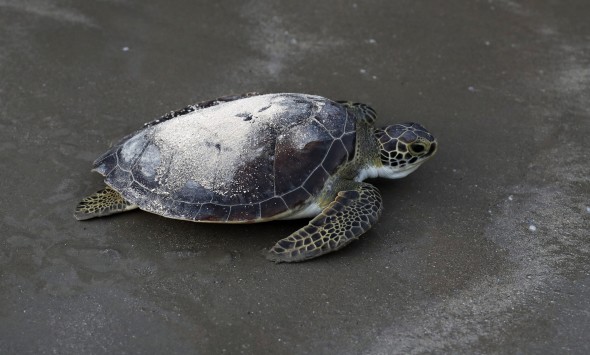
{"points": [[417, 148]]}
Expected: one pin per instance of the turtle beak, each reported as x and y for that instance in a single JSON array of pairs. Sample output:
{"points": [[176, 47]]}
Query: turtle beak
{"points": [[433, 149]]}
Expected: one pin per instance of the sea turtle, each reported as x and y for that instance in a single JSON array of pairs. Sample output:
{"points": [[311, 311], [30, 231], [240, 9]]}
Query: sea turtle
{"points": [[256, 158]]}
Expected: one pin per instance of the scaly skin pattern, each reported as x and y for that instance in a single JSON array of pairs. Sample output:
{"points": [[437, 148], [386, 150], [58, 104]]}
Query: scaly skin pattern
{"points": [[102, 203], [351, 214]]}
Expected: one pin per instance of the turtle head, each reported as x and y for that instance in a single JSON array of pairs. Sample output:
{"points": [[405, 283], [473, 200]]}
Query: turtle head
{"points": [[403, 148]]}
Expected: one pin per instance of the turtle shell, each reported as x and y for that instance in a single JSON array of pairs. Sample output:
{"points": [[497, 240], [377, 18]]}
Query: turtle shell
{"points": [[247, 160]]}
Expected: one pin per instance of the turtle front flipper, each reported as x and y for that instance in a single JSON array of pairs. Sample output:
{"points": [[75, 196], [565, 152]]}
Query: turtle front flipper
{"points": [[351, 214], [102, 203]]}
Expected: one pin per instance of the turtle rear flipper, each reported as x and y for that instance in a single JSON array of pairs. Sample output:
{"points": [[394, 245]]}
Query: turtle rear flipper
{"points": [[351, 214], [102, 203]]}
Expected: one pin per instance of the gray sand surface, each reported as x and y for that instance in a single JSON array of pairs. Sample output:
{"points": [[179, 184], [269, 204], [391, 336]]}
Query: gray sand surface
{"points": [[485, 249]]}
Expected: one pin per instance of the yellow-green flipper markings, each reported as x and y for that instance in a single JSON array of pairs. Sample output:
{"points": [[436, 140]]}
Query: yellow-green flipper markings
{"points": [[351, 214], [102, 203]]}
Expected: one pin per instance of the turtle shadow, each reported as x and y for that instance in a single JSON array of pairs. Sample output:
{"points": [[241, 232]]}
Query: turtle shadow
{"points": [[150, 230]]}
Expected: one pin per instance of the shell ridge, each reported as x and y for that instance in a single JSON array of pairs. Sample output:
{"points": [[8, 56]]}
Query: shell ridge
{"points": [[138, 158], [117, 165], [345, 123], [314, 119]]}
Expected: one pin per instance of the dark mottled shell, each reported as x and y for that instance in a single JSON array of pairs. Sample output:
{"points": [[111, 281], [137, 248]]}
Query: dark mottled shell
{"points": [[245, 160]]}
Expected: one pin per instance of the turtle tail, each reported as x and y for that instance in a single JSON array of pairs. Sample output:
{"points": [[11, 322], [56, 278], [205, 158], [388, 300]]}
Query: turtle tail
{"points": [[102, 203]]}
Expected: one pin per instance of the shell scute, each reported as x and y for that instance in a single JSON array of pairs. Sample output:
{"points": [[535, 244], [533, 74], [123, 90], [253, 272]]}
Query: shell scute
{"points": [[315, 180], [131, 150], [213, 213], [298, 153], [106, 163], [349, 141], [334, 127], [337, 155], [193, 192], [296, 197], [272, 207], [244, 212], [119, 179]]}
